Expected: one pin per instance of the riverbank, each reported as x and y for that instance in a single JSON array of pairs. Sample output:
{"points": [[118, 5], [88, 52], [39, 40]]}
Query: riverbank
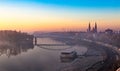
{"points": [[109, 61], [93, 55]]}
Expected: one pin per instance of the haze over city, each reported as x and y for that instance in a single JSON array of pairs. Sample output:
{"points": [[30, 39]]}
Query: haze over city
{"points": [[58, 15], [59, 35]]}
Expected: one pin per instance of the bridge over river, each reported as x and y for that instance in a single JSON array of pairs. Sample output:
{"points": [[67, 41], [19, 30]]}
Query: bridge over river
{"points": [[112, 54], [51, 46]]}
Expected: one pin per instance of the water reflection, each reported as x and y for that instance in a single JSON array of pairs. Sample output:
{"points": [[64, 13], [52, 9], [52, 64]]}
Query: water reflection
{"points": [[34, 58], [13, 50]]}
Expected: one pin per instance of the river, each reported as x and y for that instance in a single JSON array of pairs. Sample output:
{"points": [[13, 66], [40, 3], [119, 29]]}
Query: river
{"points": [[38, 58]]}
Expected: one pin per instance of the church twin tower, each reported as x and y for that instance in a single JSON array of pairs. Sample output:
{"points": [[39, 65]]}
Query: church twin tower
{"points": [[93, 30]]}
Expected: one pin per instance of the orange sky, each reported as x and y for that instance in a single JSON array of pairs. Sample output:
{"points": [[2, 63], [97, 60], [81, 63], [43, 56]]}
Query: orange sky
{"points": [[60, 25], [30, 19]]}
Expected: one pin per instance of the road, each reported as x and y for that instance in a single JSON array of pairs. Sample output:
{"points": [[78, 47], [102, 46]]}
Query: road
{"points": [[113, 56]]}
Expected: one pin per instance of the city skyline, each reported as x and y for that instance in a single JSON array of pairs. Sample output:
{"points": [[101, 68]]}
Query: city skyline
{"points": [[52, 15]]}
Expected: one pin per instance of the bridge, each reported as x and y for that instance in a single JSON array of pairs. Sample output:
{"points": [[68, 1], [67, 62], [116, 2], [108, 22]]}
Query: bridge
{"points": [[36, 44], [51, 45]]}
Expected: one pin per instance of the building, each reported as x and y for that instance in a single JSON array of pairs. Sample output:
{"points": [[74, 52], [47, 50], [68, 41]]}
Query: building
{"points": [[89, 28], [94, 29], [108, 31]]}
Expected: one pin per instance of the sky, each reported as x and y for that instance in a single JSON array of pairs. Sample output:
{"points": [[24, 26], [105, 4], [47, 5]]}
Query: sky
{"points": [[59, 15]]}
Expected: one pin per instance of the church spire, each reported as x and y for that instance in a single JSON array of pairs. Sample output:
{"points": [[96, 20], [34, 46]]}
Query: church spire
{"points": [[89, 27], [95, 27]]}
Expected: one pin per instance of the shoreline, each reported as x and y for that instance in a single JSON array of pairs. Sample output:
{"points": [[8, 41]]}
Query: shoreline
{"points": [[87, 58]]}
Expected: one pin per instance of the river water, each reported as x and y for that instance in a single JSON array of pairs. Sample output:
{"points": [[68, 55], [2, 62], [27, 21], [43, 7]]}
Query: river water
{"points": [[38, 58]]}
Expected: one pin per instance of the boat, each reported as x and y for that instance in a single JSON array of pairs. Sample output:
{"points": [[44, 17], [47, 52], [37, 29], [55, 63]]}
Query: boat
{"points": [[68, 56]]}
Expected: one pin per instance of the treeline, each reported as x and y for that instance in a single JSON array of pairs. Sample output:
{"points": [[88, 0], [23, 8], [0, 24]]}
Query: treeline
{"points": [[15, 37]]}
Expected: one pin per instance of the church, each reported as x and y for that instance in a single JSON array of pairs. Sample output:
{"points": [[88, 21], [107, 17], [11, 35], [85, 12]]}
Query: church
{"points": [[92, 30]]}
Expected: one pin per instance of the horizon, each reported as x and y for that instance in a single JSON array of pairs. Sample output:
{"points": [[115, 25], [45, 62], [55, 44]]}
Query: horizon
{"points": [[52, 15]]}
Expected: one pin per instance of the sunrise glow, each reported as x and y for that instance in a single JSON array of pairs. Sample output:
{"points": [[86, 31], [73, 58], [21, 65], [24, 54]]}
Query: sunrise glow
{"points": [[37, 15]]}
